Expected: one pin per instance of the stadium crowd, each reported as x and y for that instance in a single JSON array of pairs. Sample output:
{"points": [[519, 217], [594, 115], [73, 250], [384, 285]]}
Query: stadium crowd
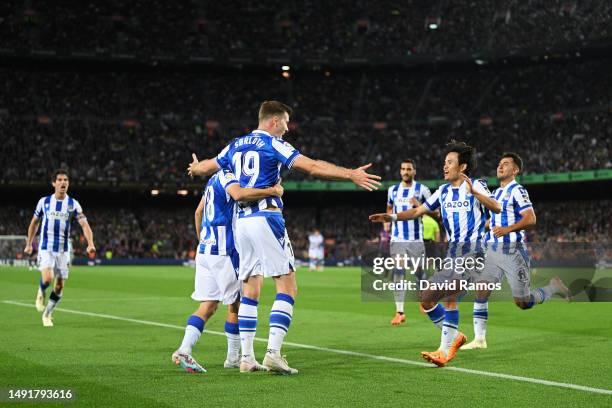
{"points": [[115, 125], [169, 233], [352, 28], [153, 121]]}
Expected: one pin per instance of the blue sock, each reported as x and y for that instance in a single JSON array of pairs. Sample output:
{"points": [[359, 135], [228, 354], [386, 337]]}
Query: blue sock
{"points": [[436, 315], [232, 328], [537, 297], [280, 320], [247, 324], [43, 286], [193, 331]]}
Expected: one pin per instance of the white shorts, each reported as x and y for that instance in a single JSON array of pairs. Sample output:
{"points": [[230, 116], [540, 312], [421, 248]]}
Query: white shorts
{"points": [[315, 254], [413, 249], [215, 279], [59, 261], [513, 263], [462, 261], [263, 245]]}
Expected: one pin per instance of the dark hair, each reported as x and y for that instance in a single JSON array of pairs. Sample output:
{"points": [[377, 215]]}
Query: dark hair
{"points": [[518, 162], [409, 161], [273, 108], [58, 172], [467, 155]]}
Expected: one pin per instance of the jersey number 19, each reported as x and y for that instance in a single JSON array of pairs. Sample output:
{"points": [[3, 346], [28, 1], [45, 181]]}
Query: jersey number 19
{"points": [[247, 165]]}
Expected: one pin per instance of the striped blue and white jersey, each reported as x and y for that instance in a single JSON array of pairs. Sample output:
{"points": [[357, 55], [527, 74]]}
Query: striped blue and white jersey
{"points": [[513, 199], [216, 232], [399, 198], [463, 216], [256, 159], [56, 217]]}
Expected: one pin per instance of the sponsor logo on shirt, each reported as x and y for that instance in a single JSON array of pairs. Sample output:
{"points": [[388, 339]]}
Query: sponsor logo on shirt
{"points": [[457, 205], [58, 214]]}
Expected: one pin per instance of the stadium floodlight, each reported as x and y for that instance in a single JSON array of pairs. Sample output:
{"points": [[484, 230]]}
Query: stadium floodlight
{"points": [[480, 62], [154, 192], [182, 192], [285, 67], [433, 22]]}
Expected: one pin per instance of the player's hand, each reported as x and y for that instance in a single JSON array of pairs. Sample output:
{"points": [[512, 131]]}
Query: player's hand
{"points": [[414, 202], [192, 169], [387, 226], [382, 217], [360, 177], [91, 249], [278, 188], [28, 249], [500, 231], [468, 182]]}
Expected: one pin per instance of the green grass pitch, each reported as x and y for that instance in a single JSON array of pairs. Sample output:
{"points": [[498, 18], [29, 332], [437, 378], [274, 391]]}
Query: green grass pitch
{"points": [[109, 362]]}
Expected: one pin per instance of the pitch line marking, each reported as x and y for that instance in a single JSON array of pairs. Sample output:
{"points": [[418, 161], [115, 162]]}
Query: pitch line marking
{"points": [[102, 299], [347, 352]]}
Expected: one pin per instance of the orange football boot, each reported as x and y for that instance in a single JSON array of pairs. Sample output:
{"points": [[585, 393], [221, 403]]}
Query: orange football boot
{"points": [[437, 357], [459, 341], [398, 319]]}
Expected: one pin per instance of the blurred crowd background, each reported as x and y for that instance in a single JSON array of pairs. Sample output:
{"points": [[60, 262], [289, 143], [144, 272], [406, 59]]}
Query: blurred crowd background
{"points": [[135, 126]]}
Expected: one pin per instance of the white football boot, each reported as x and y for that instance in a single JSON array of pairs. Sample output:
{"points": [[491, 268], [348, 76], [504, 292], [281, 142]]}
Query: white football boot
{"points": [[251, 365], [560, 288], [40, 300], [47, 320], [232, 362], [277, 363], [477, 343]]}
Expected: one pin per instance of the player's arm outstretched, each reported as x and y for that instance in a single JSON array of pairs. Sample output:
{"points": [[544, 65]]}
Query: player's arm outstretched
{"points": [[400, 216], [251, 194], [202, 168], [328, 171], [88, 233], [482, 195], [32, 228]]}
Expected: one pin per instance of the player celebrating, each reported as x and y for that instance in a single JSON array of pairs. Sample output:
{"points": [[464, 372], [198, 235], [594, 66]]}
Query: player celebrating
{"points": [[506, 254], [316, 251], [261, 236], [406, 236], [57, 211], [216, 265], [462, 203]]}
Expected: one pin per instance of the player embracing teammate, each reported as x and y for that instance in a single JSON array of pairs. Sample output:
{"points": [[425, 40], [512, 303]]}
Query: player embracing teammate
{"points": [[261, 238]]}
